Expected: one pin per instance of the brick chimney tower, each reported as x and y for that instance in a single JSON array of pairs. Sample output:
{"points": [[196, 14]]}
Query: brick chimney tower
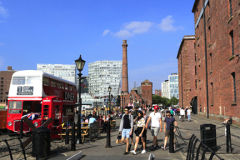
{"points": [[124, 68]]}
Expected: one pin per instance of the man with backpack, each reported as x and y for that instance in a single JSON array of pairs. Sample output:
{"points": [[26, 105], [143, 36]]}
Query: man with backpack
{"points": [[126, 129]]}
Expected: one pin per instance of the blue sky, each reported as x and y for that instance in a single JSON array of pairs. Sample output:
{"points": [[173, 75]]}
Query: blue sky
{"points": [[58, 31]]}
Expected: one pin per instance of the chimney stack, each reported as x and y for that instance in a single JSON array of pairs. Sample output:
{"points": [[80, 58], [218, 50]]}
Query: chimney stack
{"points": [[125, 68], [9, 68]]}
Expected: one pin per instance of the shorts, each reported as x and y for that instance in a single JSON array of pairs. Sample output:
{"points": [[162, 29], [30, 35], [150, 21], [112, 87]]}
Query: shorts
{"points": [[139, 130], [155, 131], [167, 133], [126, 133]]}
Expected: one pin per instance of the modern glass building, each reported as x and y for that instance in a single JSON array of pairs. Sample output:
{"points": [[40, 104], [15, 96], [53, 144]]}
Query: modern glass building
{"points": [[67, 72], [173, 85], [170, 87], [101, 75]]}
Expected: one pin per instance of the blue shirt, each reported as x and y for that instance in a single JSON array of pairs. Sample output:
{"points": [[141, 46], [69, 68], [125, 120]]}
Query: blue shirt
{"points": [[169, 121], [91, 120]]}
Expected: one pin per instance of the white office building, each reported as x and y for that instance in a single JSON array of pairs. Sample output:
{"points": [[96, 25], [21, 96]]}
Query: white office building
{"points": [[170, 87], [165, 89], [101, 75], [67, 72]]}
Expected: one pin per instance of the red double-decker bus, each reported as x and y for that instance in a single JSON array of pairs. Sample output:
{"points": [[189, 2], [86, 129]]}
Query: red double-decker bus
{"points": [[40, 96]]}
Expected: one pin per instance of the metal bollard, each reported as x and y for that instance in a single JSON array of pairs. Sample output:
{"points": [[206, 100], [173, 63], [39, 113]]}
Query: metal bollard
{"points": [[73, 142], [171, 145], [228, 138], [108, 143], [67, 133], [21, 129]]}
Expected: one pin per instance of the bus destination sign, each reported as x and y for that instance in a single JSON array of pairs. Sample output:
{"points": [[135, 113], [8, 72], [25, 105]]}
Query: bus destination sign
{"points": [[68, 96], [26, 90]]}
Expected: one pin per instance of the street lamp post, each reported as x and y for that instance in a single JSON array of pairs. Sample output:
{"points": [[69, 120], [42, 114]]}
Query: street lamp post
{"points": [[122, 102], [79, 64], [108, 145]]}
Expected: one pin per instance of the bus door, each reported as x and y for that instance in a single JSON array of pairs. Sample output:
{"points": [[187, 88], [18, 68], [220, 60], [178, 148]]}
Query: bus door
{"points": [[46, 104]]}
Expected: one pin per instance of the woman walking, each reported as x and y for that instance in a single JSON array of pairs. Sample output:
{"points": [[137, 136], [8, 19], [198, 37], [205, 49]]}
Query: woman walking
{"points": [[140, 132]]}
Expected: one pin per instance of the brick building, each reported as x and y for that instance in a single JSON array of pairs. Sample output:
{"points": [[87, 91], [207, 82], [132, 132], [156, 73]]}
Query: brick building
{"points": [[217, 57], [187, 77], [147, 92], [5, 80], [158, 92]]}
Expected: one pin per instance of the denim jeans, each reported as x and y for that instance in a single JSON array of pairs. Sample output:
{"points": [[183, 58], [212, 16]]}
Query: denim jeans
{"points": [[189, 117]]}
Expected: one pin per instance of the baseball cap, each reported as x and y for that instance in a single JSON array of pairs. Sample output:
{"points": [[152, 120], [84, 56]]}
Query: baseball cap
{"points": [[156, 107]]}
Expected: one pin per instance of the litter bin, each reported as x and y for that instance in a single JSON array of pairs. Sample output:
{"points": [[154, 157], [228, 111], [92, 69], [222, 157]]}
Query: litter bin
{"points": [[41, 142], [208, 136]]}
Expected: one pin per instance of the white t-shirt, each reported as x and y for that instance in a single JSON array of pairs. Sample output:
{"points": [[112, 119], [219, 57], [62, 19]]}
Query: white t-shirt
{"points": [[188, 112], [155, 119], [182, 112]]}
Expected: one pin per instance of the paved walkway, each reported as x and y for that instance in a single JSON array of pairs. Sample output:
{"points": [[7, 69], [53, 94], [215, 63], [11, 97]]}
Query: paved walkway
{"points": [[96, 150]]}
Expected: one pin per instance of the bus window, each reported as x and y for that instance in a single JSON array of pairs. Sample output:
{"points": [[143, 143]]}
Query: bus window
{"points": [[46, 81], [59, 85], [70, 88], [15, 107], [33, 80], [38, 108], [53, 83], [66, 86], [18, 80], [26, 107]]}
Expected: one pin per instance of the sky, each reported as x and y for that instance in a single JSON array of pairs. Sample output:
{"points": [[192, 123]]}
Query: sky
{"points": [[58, 31]]}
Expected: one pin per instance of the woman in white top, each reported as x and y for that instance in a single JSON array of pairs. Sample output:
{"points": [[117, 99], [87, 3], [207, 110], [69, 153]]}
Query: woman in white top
{"points": [[140, 132]]}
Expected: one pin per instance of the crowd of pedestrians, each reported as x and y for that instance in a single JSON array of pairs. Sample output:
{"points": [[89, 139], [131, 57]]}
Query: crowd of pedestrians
{"points": [[143, 123]]}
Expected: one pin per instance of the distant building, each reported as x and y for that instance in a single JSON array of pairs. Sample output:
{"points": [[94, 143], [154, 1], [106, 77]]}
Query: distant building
{"points": [[158, 92], [67, 72], [165, 89], [173, 85], [139, 89], [5, 80], [101, 75]]}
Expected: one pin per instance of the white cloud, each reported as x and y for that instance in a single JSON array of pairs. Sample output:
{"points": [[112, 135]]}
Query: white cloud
{"points": [[106, 32], [3, 12], [132, 28], [167, 24], [123, 34], [138, 27]]}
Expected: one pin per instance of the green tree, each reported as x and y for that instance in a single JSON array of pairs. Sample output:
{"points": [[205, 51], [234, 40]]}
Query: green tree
{"points": [[174, 101], [156, 99]]}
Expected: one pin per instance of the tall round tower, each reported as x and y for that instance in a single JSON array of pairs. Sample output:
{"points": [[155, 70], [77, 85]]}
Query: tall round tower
{"points": [[125, 68]]}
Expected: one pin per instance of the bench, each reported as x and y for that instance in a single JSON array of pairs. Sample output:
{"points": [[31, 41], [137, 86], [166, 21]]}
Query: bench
{"points": [[70, 134]]}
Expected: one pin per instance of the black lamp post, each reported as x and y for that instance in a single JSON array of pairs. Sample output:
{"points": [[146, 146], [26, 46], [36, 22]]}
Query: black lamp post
{"points": [[108, 144], [122, 102], [80, 64]]}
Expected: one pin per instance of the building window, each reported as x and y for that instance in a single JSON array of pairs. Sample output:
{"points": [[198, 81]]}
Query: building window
{"points": [[1, 81], [209, 29], [195, 70], [210, 61], [232, 42], [195, 56], [2, 78], [230, 7], [212, 94], [196, 83], [234, 86]]}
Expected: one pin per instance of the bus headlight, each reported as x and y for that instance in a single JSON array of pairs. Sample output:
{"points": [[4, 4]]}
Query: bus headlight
{"points": [[36, 124], [9, 123]]}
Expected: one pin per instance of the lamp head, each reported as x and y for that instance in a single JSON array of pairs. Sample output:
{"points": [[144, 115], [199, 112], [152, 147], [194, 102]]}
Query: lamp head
{"points": [[80, 63]]}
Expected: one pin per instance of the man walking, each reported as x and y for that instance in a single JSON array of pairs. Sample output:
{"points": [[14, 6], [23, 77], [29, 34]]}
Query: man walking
{"points": [[126, 128], [167, 122], [156, 119]]}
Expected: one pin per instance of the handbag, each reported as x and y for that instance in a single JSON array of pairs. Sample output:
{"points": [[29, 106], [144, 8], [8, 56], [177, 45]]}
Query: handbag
{"points": [[118, 140]]}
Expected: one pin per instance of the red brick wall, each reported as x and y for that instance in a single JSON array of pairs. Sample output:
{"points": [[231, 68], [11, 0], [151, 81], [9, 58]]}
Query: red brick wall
{"points": [[147, 91], [186, 71], [219, 65]]}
